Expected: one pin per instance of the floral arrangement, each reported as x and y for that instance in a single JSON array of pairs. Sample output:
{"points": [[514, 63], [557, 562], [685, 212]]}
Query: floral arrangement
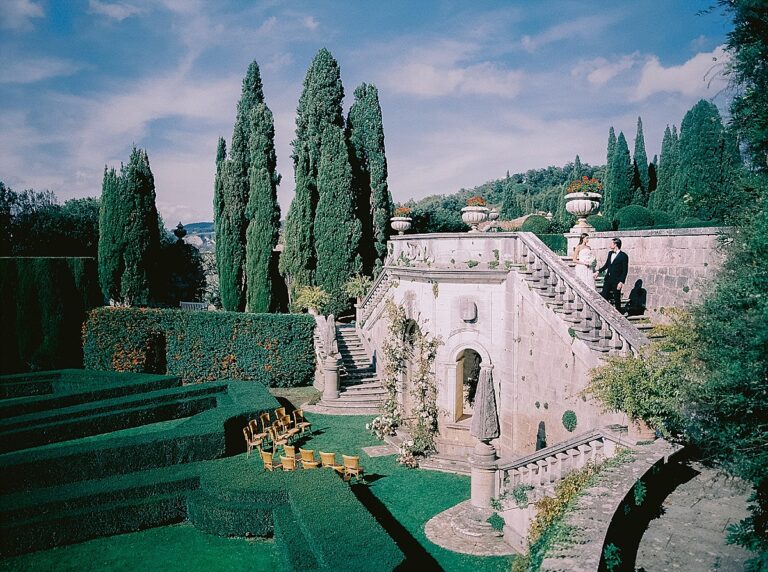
{"points": [[402, 211], [585, 185], [424, 427], [396, 355], [476, 201], [406, 457]]}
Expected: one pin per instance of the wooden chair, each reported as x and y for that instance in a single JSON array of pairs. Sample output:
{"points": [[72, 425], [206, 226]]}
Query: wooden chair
{"points": [[265, 421], [300, 422], [290, 451], [288, 463], [269, 462], [308, 459], [276, 437], [352, 467], [254, 425], [328, 461], [279, 412], [251, 441], [286, 426]]}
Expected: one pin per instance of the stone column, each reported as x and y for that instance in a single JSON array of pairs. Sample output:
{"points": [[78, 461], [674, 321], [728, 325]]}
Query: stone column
{"points": [[483, 474], [331, 373]]}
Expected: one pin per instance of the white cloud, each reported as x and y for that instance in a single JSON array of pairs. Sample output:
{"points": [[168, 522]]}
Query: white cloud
{"points": [[310, 23], [17, 14], [584, 27], [600, 71], [440, 70], [116, 11], [31, 70], [700, 76]]}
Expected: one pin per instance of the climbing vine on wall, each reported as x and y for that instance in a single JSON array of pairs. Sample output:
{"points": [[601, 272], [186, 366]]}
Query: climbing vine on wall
{"points": [[424, 426], [396, 354]]}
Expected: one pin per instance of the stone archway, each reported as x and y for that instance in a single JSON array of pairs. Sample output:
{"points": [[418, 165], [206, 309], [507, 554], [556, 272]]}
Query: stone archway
{"points": [[467, 374], [455, 367]]}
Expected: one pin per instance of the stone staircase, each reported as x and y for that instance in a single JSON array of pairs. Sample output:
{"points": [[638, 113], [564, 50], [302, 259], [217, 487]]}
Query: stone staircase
{"points": [[360, 391]]}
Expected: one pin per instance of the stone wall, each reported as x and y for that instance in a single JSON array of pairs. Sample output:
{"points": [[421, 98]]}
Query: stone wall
{"points": [[675, 265]]}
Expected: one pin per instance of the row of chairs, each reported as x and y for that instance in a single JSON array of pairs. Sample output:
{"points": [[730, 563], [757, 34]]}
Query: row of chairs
{"points": [[281, 431], [350, 467]]}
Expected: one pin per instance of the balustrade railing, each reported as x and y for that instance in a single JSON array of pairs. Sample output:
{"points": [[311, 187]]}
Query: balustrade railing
{"points": [[374, 297]]}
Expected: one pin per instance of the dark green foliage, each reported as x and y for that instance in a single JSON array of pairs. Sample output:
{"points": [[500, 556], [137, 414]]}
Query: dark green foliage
{"points": [[219, 222], [536, 224], [633, 216], [110, 258], [437, 214], [273, 349], [181, 275], [496, 522], [337, 230], [569, 420], [232, 203], [600, 223], [319, 107], [365, 133], [43, 304], [608, 159], [663, 198], [556, 242], [662, 219], [618, 183], [705, 179], [263, 211], [640, 177]]}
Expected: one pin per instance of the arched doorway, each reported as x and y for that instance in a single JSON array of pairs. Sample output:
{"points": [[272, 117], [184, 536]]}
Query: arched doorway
{"points": [[467, 373]]}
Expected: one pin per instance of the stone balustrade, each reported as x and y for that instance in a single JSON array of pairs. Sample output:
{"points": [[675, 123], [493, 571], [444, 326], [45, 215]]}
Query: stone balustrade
{"points": [[373, 299]]}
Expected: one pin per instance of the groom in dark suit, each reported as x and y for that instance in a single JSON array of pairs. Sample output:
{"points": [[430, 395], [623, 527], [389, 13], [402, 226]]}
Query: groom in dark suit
{"points": [[616, 268]]}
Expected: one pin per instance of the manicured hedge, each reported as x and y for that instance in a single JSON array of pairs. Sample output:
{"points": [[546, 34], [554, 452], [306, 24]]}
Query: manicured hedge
{"points": [[274, 349], [556, 242], [536, 224], [634, 216], [43, 302]]}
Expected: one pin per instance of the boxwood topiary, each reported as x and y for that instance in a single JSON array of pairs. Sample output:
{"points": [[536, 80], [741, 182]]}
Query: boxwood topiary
{"points": [[601, 223], [662, 219], [634, 216], [569, 420], [536, 224]]}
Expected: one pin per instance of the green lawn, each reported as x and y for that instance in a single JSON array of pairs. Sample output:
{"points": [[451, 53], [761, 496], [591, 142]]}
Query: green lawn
{"points": [[403, 500]]}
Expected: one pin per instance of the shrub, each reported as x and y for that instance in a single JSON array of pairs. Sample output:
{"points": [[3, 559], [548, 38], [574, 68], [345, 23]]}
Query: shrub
{"points": [[662, 219], [556, 242], [312, 297], [601, 223], [536, 224], [633, 216], [274, 349], [496, 521], [569, 421], [43, 302]]}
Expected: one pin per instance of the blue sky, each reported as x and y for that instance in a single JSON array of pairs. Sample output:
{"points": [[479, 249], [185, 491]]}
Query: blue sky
{"points": [[468, 90]]}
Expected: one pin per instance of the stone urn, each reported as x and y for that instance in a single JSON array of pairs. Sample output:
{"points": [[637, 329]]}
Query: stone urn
{"points": [[473, 216], [582, 205], [401, 223]]}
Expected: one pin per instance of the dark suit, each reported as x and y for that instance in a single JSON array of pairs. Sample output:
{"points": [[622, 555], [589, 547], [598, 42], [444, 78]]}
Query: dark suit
{"points": [[616, 268]]}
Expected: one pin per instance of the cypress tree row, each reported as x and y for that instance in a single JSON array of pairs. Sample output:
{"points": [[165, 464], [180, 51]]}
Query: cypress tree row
{"points": [[337, 229], [319, 107], [263, 211], [618, 184], [110, 256], [640, 180], [373, 202], [231, 257], [662, 198]]}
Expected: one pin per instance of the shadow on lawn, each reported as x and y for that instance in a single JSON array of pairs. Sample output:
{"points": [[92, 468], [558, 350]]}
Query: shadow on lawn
{"points": [[416, 557]]}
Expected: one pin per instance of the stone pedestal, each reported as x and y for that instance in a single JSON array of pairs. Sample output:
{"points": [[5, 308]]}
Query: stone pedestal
{"points": [[331, 371], [638, 431], [483, 475]]}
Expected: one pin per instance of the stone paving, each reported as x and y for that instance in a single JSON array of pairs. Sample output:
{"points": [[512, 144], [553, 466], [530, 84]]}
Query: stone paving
{"points": [[463, 528], [379, 450], [691, 532]]}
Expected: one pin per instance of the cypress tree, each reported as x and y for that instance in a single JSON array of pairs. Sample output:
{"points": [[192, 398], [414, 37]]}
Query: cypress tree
{"points": [[218, 198], [236, 191], [141, 232], [618, 186], [319, 107], [578, 171], [661, 198], [365, 133], [699, 184], [337, 230], [640, 180], [110, 256], [263, 211]]}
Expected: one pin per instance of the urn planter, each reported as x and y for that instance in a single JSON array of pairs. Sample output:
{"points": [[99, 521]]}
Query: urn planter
{"points": [[473, 216], [582, 205], [401, 223]]}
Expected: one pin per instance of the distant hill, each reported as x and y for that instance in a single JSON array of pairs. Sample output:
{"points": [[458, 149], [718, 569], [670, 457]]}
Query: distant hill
{"points": [[199, 228]]}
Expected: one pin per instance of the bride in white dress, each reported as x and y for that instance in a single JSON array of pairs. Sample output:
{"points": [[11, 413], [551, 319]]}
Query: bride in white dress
{"points": [[585, 262]]}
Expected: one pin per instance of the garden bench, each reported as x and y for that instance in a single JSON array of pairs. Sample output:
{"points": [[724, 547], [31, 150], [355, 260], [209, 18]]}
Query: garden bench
{"points": [[193, 305]]}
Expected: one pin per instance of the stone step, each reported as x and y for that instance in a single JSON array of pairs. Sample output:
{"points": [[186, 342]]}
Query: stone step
{"points": [[445, 465], [352, 391], [375, 383]]}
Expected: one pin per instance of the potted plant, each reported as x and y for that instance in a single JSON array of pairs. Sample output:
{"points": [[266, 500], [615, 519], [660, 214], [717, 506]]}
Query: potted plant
{"points": [[475, 212], [357, 287], [402, 220], [583, 199], [312, 299]]}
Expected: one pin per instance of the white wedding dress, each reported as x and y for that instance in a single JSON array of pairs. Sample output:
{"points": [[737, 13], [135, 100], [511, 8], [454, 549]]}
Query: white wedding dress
{"points": [[585, 267]]}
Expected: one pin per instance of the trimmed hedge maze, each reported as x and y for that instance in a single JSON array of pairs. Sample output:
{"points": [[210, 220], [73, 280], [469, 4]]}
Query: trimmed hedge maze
{"points": [[91, 454], [276, 350]]}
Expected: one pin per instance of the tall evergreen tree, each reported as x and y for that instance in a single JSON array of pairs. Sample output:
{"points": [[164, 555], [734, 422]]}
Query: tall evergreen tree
{"points": [[607, 175], [236, 191], [365, 133], [618, 186], [662, 198], [337, 230], [263, 211], [578, 171], [706, 169], [110, 255], [640, 180], [218, 198], [319, 107]]}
